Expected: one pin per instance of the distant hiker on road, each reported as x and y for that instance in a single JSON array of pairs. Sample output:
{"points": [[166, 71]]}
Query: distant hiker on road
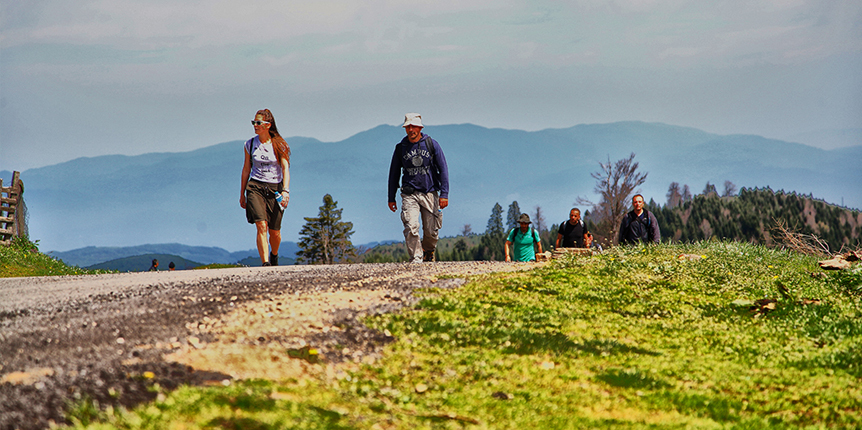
{"points": [[419, 163], [172, 266], [639, 225], [155, 266], [523, 240], [573, 232], [265, 179]]}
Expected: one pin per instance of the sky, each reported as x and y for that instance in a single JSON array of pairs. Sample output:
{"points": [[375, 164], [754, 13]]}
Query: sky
{"points": [[82, 78]]}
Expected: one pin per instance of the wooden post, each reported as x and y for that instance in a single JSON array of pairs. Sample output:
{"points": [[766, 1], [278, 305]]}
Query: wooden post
{"points": [[9, 199]]}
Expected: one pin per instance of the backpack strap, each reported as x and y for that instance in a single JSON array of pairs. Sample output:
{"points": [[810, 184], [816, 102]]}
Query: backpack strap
{"points": [[638, 219], [430, 144], [249, 144], [646, 225]]}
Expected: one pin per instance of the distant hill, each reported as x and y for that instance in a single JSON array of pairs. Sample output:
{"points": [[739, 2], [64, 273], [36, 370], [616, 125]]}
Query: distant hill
{"points": [[193, 197], [142, 263], [92, 255], [754, 215]]}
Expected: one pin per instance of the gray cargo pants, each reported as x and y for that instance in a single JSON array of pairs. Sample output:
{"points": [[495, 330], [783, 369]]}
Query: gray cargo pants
{"points": [[426, 206]]}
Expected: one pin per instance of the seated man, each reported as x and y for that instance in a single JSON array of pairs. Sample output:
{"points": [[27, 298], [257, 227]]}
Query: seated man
{"points": [[572, 232], [523, 241]]}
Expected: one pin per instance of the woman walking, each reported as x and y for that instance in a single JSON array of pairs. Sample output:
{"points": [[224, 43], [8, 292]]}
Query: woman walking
{"points": [[265, 180]]}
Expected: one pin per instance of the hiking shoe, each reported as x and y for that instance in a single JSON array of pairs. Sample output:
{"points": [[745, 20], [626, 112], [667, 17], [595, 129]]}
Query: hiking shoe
{"points": [[273, 259], [266, 263], [429, 256]]}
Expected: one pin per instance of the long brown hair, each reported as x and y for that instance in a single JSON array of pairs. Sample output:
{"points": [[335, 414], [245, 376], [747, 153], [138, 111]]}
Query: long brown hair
{"points": [[282, 149]]}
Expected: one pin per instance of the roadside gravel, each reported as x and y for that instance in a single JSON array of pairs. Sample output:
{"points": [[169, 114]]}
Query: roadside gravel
{"points": [[110, 337]]}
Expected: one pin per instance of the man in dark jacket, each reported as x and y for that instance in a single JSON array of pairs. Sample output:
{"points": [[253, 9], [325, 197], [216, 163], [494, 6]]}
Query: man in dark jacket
{"points": [[639, 225], [419, 164]]}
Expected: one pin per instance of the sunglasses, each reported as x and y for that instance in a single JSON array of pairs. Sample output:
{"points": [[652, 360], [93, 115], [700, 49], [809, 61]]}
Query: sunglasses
{"points": [[253, 122]]}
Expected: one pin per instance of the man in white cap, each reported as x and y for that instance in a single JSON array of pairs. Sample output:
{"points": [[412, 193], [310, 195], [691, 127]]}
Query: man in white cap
{"points": [[421, 167]]}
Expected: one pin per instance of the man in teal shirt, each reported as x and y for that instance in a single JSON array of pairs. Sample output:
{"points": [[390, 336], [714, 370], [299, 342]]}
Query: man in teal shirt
{"points": [[524, 241]]}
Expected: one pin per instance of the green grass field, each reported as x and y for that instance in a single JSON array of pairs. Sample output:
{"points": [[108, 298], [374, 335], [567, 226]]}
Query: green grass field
{"points": [[672, 336]]}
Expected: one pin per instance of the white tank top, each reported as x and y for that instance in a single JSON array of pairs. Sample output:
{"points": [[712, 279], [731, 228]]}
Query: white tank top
{"points": [[264, 164]]}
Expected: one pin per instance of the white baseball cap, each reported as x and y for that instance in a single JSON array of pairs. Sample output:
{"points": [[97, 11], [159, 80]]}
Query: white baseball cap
{"points": [[413, 119]]}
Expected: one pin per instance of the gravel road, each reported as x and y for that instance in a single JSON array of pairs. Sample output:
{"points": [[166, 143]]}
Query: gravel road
{"points": [[110, 337]]}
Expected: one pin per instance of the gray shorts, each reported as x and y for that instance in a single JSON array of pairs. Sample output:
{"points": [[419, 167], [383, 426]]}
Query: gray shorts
{"points": [[260, 204]]}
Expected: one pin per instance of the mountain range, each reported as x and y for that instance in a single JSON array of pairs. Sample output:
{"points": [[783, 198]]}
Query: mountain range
{"points": [[90, 256], [140, 263], [193, 197]]}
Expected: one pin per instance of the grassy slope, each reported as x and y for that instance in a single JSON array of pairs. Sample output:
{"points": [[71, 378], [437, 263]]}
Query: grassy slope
{"points": [[22, 258], [633, 338]]}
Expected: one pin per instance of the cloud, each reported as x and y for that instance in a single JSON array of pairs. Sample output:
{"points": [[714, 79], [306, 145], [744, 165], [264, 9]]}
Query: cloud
{"points": [[526, 64], [340, 31]]}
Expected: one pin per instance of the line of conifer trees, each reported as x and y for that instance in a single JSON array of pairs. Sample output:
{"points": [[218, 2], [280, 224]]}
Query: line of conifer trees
{"points": [[752, 215]]}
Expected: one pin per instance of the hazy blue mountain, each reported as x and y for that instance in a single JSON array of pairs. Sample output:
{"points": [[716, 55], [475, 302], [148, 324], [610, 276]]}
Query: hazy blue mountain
{"points": [[93, 255], [193, 197], [142, 263]]}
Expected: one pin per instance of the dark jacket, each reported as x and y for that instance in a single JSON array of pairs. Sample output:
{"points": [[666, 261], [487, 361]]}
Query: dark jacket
{"points": [[636, 229], [424, 169]]}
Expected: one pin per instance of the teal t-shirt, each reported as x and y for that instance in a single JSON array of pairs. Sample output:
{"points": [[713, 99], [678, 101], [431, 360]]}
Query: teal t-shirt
{"points": [[523, 244]]}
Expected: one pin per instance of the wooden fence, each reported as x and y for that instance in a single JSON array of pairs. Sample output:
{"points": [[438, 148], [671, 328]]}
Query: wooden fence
{"points": [[12, 221]]}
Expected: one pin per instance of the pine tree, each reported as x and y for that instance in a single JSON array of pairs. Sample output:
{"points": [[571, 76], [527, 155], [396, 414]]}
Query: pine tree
{"points": [[512, 215], [588, 221], [709, 190], [491, 243], [495, 222], [325, 239]]}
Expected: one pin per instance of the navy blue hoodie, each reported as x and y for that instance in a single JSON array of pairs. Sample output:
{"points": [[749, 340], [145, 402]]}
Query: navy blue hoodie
{"points": [[419, 170]]}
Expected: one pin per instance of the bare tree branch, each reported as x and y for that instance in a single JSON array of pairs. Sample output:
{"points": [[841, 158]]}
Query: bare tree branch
{"points": [[615, 183], [807, 244]]}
